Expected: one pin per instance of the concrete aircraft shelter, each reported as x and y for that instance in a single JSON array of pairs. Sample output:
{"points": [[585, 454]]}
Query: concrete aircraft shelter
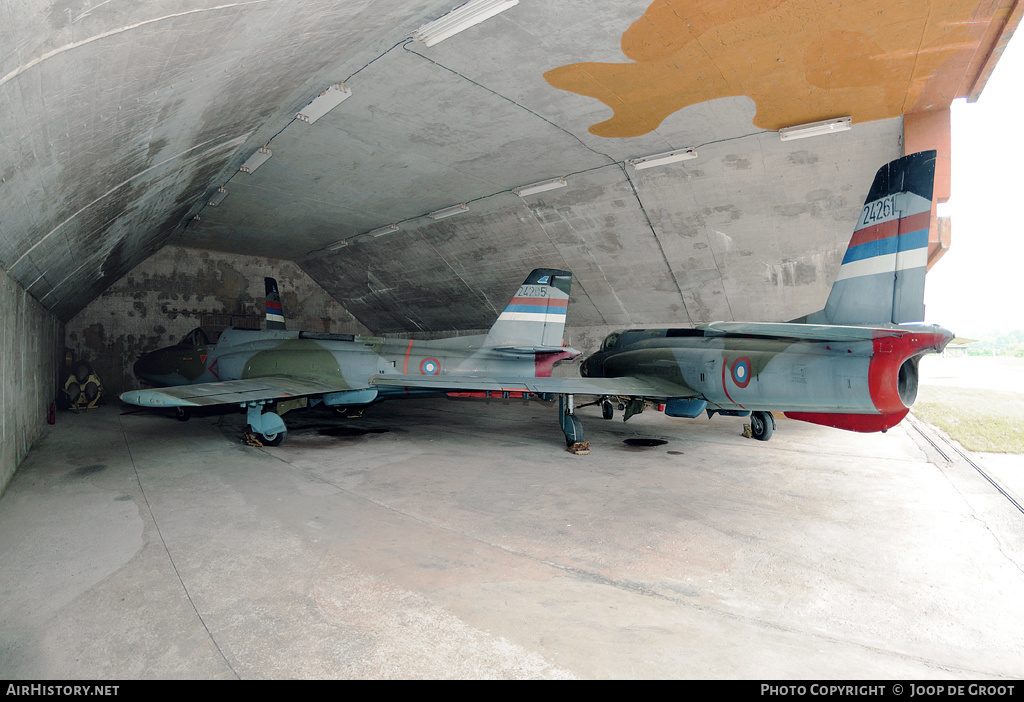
{"points": [[154, 169], [126, 217]]}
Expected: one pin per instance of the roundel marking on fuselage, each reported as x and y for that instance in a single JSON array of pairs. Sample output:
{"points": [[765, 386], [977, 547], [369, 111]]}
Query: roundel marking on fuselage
{"points": [[430, 366], [741, 371]]}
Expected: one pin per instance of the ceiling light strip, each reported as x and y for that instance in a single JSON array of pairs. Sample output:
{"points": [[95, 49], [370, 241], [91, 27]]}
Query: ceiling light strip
{"points": [[381, 231], [663, 158], [324, 103], [449, 211], [825, 126], [256, 160], [463, 17], [543, 186], [218, 197]]}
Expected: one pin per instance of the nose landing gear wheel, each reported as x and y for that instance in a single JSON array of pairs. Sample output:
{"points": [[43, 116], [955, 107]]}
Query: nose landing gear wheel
{"points": [[762, 425]]}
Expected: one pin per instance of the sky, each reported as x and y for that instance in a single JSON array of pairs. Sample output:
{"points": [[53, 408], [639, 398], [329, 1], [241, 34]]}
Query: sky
{"points": [[978, 285]]}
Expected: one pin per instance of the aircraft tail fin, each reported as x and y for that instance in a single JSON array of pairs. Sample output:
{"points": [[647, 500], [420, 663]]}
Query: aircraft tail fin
{"points": [[534, 320], [881, 279], [275, 314]]}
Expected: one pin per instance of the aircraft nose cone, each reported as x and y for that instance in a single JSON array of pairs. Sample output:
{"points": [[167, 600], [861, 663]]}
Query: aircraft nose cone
{"points": [[143, 368], [157, 368]]}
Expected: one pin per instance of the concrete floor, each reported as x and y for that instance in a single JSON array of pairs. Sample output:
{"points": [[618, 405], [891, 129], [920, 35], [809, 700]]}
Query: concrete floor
{"points": [[439, 538]]}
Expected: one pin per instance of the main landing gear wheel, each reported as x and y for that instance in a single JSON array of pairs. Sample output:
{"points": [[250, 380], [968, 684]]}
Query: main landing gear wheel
{"points": [[573, 429], [182, 414], [762, 425], [270, 439], [607, 409], [268, 427]]}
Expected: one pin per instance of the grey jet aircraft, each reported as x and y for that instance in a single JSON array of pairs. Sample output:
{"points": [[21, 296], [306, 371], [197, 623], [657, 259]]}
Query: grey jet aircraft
{"points": [[853, 365]]}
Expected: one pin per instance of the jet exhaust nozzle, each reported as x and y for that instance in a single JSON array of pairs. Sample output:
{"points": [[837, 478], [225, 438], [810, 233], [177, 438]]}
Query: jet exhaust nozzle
{"points": [[906, 382]]}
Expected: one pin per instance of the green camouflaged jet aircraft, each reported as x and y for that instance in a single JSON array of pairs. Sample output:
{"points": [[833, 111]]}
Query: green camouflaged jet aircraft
{"points": [[256, 369]]}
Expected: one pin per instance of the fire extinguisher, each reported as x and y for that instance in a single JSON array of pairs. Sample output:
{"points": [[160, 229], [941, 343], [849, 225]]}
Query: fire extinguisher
{"points": [[52, 417]]}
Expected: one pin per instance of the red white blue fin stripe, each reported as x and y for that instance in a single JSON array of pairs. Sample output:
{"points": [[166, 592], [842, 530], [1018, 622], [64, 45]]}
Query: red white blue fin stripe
{"points": [[274, 312], [535, 309], [885, 241]]}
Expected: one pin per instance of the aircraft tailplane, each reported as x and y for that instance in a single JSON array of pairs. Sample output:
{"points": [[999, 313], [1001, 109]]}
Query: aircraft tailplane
{"points": [[534, 320], [881, 279], [275, 314]]}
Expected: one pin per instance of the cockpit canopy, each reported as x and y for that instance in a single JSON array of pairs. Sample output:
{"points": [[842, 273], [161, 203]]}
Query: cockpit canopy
{"points": [[610, 341], [202, 336]]}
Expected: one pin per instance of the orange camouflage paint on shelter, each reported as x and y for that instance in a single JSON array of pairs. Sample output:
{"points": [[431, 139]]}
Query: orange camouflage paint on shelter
{"points": [[798, 60]]}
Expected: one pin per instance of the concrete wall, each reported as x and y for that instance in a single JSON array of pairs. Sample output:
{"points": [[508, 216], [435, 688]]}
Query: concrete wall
{"points": [[30, 349], [178, 289]]}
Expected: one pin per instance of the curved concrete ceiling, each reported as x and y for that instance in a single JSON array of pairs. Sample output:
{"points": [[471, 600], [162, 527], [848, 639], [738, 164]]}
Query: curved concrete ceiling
{"points": [[122, 121]]}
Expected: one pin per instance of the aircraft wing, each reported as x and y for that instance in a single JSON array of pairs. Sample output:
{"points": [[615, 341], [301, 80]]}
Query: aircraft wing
{"points": [[626, 386], [279, 387], [271, 387], [814, 332]]}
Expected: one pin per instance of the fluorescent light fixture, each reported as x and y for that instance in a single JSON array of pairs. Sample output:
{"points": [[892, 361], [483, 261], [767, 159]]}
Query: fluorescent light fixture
{"points": [[324, 103], [449, 211], [217, 197], [663, 159], [338, 245], [543, 186], [381, 231], [825, 126], [256, 160], [462, 17]]}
